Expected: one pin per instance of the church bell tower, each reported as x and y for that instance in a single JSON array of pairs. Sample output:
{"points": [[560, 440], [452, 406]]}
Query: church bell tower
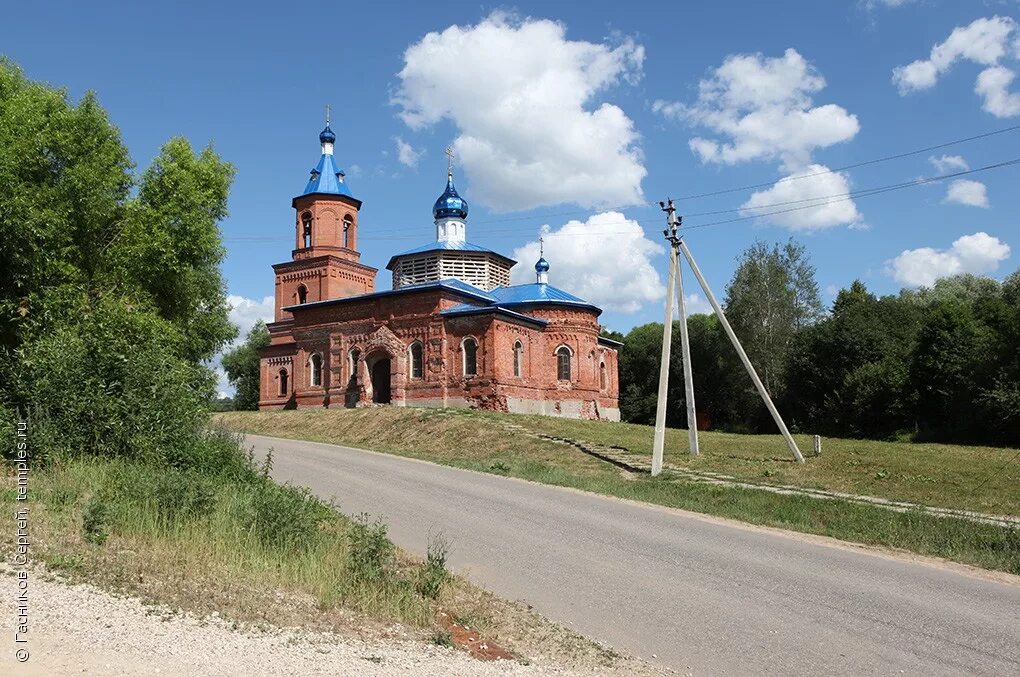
{"points": [[325, 263]]}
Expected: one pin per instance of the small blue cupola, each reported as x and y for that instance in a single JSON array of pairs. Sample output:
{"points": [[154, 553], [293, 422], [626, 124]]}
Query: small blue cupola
{"points": [[542, 271], [327, 178], [450, 204], [542, 266]]}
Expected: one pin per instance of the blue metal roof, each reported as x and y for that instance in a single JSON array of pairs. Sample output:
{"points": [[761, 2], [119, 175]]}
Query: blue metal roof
{"points": [[327, 178], [535, 293], [444, 245], [529, 294]]}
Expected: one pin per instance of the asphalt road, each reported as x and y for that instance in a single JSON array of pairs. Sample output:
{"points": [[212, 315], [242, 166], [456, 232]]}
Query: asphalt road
{"points": [[701, 595]]}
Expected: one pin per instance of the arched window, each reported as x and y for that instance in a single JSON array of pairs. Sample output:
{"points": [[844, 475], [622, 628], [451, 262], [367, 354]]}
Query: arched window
{"points": [[470, 347], [518, 359], [348, 222], [563, 363], [315, 370], [603, 377], [306, 229], [302, 294], [283, 382], [417, 356], [352, 364]]}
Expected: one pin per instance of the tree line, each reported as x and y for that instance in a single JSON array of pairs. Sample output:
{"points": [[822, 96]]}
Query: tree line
{"points": [[933, 364]]}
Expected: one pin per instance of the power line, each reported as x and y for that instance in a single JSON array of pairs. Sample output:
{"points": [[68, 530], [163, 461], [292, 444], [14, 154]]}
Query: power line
{"points": [[887, 158], [867, 193], [859, 193], [806, 203], [753, 186]]}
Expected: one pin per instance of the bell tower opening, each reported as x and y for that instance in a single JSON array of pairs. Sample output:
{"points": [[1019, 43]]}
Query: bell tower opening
{"points": [[306, 229]]}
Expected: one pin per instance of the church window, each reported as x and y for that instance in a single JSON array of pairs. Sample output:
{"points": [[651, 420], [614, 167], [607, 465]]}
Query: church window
{"points": [[315, 370], [306, 229], [348, 222], [603, 377], [563, 363], [518, 359], [470, 347], [302, 294], [417, 360], [283, 382]]}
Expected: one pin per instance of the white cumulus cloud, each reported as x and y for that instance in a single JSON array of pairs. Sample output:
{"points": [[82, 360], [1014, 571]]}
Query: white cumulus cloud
{"points": [[978, 253], [406, 154], [993, 86], [605, 260], [531, 131], [763, 109], [245, 312], [986, 42], [807, 200], [966, 192], [948, 164]]}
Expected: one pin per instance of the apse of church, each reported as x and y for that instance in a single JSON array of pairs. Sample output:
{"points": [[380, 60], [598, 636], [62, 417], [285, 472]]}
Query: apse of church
{"points": [[451, 332]]}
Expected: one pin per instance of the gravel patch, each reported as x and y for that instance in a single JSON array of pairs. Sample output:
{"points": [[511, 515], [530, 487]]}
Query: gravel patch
{"points": [[80, 629]]}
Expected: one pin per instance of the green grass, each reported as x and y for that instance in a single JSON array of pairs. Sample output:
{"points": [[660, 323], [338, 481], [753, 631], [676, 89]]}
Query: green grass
{"points": [[234, 542], [940, 475], [190, 528], [983, 479]]}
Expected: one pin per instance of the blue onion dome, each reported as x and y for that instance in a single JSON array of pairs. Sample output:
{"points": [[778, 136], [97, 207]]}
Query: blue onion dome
{"points": [[542, 266], [450, 203], [327, 136]]}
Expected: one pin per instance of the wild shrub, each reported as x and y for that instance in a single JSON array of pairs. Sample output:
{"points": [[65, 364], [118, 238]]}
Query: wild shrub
{"points": [[371, 553], [110, 381], [167, 494], [94, 521], [283, 517], [433, 574]]}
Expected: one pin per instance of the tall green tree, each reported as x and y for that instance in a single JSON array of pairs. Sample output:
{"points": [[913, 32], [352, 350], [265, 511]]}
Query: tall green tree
{"points": [[773, 293], [109, 303], [242, 367], [639, 372], [64, 184], [170, 249], [848, 373]]}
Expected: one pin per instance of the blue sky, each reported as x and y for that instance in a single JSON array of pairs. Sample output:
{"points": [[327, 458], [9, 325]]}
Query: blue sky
{"points": [[575, 111]]}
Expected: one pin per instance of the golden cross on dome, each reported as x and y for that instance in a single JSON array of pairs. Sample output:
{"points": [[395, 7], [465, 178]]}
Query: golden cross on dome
{"points": [[449, 160], [327, 115], [541, 247]]}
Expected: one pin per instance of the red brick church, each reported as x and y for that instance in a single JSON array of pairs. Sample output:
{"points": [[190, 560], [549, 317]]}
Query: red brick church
{"points": [[452, 331]]}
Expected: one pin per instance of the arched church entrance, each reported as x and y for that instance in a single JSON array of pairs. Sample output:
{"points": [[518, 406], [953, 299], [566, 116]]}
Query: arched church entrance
{"points": [[379, 370]]}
